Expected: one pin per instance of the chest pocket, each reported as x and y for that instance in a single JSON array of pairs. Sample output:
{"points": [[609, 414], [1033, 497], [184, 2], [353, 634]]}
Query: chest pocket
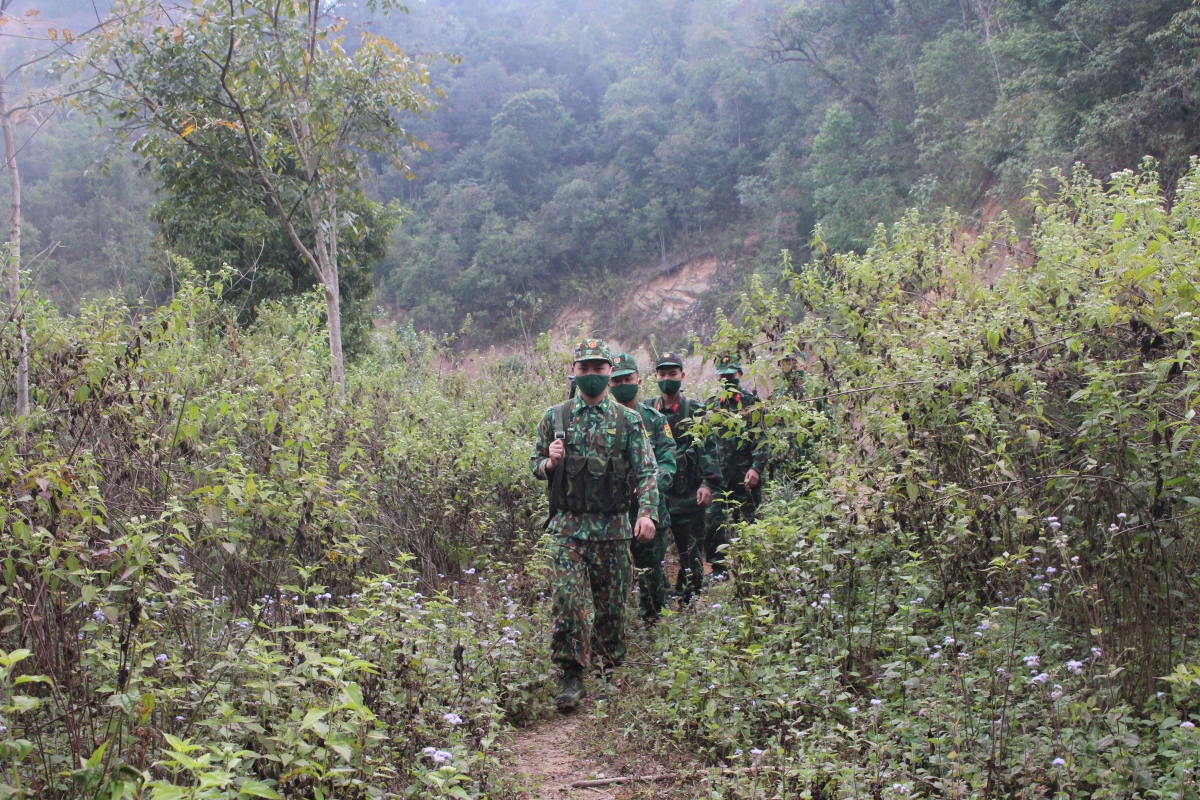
{"points": [[593, 484]]}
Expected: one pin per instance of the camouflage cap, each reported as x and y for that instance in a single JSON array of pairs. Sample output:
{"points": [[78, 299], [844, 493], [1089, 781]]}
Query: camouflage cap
{"points": [[624, 364], [669, 360], [729, 365], [592, 350]]}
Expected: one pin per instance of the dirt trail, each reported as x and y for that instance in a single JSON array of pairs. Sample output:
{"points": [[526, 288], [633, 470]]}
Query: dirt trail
{"points": [[547, 754], [552, 754]]}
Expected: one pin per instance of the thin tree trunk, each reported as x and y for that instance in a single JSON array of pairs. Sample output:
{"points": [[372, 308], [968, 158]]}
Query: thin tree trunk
{"points": [[333, 310], [14, 255]]}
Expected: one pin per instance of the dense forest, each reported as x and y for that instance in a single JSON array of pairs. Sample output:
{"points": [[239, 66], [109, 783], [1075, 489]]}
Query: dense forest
{"points": [[578, 142], [582, 139]]}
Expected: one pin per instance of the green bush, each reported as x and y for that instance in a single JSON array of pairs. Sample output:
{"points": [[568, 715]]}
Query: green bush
{"points": [[219, 582], [989, 587]]}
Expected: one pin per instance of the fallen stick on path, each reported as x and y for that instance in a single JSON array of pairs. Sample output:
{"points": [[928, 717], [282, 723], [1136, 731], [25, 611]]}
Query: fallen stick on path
{"points": [[624, 779]]}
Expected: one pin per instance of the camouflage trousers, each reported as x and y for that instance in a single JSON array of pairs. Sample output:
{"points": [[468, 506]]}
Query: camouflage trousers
{"points": [[689, 533], [725, 512], [652, 578], [579, 567]]}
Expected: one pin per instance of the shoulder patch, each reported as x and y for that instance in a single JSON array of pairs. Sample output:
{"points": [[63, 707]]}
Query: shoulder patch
{"points": [[667, 431]]}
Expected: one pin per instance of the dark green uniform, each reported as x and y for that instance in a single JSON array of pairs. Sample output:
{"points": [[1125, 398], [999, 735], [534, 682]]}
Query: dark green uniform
{"points": [[648, 556], [590, 551], [741, 446], [696, 465]]}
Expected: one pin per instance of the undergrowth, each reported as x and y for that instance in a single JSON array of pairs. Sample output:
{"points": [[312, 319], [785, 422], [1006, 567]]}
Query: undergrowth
{"points": [[988, 586], [218, 582], [975, 574]]}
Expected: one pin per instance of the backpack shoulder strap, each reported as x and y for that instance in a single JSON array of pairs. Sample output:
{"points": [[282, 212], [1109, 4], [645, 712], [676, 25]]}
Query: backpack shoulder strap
{"points": [[621, 440], [562, 420]]}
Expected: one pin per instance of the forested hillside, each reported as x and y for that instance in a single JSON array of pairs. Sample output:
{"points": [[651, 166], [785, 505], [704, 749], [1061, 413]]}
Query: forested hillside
{"points": [[578, 142], [580, 139]]}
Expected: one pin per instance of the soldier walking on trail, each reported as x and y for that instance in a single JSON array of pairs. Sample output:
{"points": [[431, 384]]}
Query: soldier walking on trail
{"points": [[648, 556], [742, 450], [697, 474], [593, 452]]}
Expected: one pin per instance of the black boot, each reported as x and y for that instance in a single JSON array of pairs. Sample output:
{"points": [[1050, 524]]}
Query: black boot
{"points": [[572, 693]]}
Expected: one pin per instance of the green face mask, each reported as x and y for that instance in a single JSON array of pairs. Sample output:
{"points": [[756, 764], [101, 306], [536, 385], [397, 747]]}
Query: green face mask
{"points": [[669, 388], [592, 385], [624, 392]]}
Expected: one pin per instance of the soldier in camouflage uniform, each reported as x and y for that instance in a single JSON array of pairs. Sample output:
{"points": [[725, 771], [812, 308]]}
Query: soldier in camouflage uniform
{"points": [[743, 457], [697, 473], [593, 452], [648, 557]]}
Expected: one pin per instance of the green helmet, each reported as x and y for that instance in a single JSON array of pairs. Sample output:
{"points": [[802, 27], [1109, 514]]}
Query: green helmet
{"points": [[592, 350], [729, 365], [624, 364]]}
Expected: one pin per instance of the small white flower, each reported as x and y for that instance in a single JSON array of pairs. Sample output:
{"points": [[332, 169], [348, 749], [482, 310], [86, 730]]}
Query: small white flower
{"points": [[179, 719], [429, 751], [161, 658], [1040, 678], [470, 571], [875, 701], [1056, 525], [1096, 652], [716, 606], [754, 751], [1075, 667], [853, 709], [1031, 660], [949, 640], [1058, 762], [1051, 570], [442, 756], [1122, 515], [452, 718], [1186, 724]]}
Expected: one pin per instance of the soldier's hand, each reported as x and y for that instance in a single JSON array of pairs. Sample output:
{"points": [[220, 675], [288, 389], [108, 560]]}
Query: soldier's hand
{"points": [[557, 451], [703, 496], [643, 530], [751, 478]]}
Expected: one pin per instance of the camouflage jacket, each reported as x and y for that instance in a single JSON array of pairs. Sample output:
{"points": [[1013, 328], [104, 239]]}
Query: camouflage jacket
{"points": [[741, 444], [663, 442], [695, 460], [592, 433]]}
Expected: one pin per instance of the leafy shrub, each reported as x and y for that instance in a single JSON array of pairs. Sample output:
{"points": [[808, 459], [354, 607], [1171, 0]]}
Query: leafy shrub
{"points": [[989, 586], [218, 582]]}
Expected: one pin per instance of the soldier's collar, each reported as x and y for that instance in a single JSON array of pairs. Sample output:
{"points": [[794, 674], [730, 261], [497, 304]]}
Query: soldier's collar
{"points": [[602, 406]]}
